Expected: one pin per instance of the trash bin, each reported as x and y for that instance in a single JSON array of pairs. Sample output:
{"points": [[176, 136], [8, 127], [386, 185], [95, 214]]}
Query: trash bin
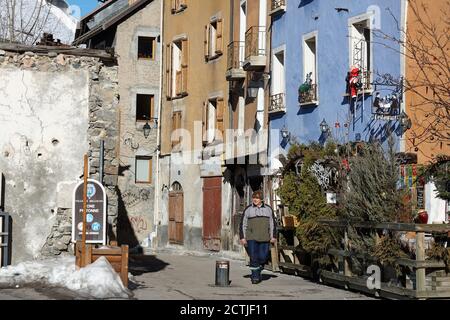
{"points": [[222, 273]]}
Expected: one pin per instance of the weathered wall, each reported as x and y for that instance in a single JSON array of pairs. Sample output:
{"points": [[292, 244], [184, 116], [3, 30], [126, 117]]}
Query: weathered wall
{"points": [[137, 76], [53, 110], [206, 79]]}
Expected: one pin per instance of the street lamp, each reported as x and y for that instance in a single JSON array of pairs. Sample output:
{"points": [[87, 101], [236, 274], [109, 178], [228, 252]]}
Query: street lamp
{"points": [[147, 128], [285, 134], [324, 127], [405, 121]]}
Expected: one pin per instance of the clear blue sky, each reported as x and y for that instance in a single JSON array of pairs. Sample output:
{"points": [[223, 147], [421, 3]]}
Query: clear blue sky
{"points": [[85, 5]]}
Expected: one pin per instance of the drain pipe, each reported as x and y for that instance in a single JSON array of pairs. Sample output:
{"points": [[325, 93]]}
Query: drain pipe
{"points": [[156, 218], [102, 151]]}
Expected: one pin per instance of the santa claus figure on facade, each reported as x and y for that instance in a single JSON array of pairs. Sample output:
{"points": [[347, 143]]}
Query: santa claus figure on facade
{"points": [[354, 82]]}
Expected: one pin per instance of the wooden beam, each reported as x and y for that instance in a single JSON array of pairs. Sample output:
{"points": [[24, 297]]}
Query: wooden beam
{"points": [[438, 228], [94, 53], [420, 256]]}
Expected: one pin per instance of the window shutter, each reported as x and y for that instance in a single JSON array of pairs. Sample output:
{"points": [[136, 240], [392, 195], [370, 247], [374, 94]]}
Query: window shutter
{"points": [[150, 170], [184, 65], [205, 122], [219, 37], [206, 42], [174, 127], [219, 116], [174, 6], [169, 71], [152, 108], [179, 139]]}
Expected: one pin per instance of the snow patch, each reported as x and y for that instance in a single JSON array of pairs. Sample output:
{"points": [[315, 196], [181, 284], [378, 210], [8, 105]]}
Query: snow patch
{"points": [[97, 280]]}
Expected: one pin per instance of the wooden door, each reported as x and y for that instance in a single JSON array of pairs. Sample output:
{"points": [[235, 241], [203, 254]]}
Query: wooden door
{"points": [[176, 217], [212, 213]]}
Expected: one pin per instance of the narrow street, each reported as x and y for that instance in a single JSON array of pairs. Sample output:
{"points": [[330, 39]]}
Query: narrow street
{"points": [[179, 275]]}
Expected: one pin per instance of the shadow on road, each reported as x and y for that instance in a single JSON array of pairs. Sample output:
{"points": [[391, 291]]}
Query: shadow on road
{"points": [[140, 264], [264, 276]]}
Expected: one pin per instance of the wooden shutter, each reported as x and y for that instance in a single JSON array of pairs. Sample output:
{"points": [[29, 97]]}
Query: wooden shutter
{"points": [[184, 65], [169, 71], [150, 172], [219, 37], [206, 48], [205, 122], [219, 116], [152, 108]]}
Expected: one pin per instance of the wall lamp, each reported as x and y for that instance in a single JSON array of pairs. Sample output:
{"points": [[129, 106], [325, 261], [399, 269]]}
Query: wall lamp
{"points": [[324, 127], [405, 121], [147, 128], [285, 134]]}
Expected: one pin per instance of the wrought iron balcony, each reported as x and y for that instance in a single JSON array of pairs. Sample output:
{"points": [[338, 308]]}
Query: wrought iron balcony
{"points": [[255, 49], [236, 53], [277, 103], [278, 6], [308, 95]]}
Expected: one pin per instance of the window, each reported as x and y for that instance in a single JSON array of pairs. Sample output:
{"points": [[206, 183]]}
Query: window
{"points": [[177, 69], [144, 170], [360, 50], [176, 124], [178, 6], [213, 39], [144, 107], [308, 87], [213, 110], [278, 72], [146, 48]]}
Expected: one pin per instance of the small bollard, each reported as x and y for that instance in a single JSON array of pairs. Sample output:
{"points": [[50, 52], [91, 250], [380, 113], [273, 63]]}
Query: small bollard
{"points": [[222, 273]]}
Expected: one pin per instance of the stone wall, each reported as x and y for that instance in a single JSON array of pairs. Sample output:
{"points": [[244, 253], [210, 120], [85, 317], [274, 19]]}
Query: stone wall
{"points": [[54, 109]]}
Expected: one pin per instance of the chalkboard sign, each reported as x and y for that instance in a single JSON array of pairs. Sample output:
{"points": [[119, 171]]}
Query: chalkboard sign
{"points": [[420, 197], [95, 213]]}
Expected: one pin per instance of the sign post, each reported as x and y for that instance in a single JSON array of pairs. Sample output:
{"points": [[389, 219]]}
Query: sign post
{"points": [[89, 213], [83, 235]]}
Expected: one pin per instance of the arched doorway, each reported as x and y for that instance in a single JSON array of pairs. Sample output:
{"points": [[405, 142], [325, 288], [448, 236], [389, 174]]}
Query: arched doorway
{"points": [[176, 214]]}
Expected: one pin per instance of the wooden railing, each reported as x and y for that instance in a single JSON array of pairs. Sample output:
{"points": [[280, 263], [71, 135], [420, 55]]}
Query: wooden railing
{"points": [[429, 278]]}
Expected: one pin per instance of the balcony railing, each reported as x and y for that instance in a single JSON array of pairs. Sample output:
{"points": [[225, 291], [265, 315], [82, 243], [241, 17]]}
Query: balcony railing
{"points": [[278, 6], [255, 48], [255, 42], [308, 96], [236, 53], [277, 103]]}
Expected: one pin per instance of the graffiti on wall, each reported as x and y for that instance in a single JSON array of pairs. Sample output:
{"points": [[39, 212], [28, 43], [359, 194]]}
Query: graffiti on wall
{"points": [[139, 224], [134, 197]]}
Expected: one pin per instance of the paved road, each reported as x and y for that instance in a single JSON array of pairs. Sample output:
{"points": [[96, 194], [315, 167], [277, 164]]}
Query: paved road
{"points": [[186, 277], [176, 275]]}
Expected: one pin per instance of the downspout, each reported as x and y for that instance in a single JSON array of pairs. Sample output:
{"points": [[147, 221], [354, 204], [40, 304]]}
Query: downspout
{"points": [[404, 15], [156, 218]]}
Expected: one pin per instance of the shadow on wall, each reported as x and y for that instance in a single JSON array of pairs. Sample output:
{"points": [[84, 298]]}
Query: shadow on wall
{"points": [[125, 231], [304, 3]]}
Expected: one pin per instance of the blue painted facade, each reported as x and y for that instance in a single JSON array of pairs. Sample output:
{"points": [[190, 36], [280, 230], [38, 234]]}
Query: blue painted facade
{"points": [[330, 20]]}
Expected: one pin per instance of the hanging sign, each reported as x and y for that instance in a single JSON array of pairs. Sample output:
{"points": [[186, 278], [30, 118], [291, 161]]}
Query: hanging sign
{"points": [[95, 213]]}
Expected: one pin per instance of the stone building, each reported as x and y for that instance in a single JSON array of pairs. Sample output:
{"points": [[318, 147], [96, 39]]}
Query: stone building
{"points": [[132, 30], [54, 109]]}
